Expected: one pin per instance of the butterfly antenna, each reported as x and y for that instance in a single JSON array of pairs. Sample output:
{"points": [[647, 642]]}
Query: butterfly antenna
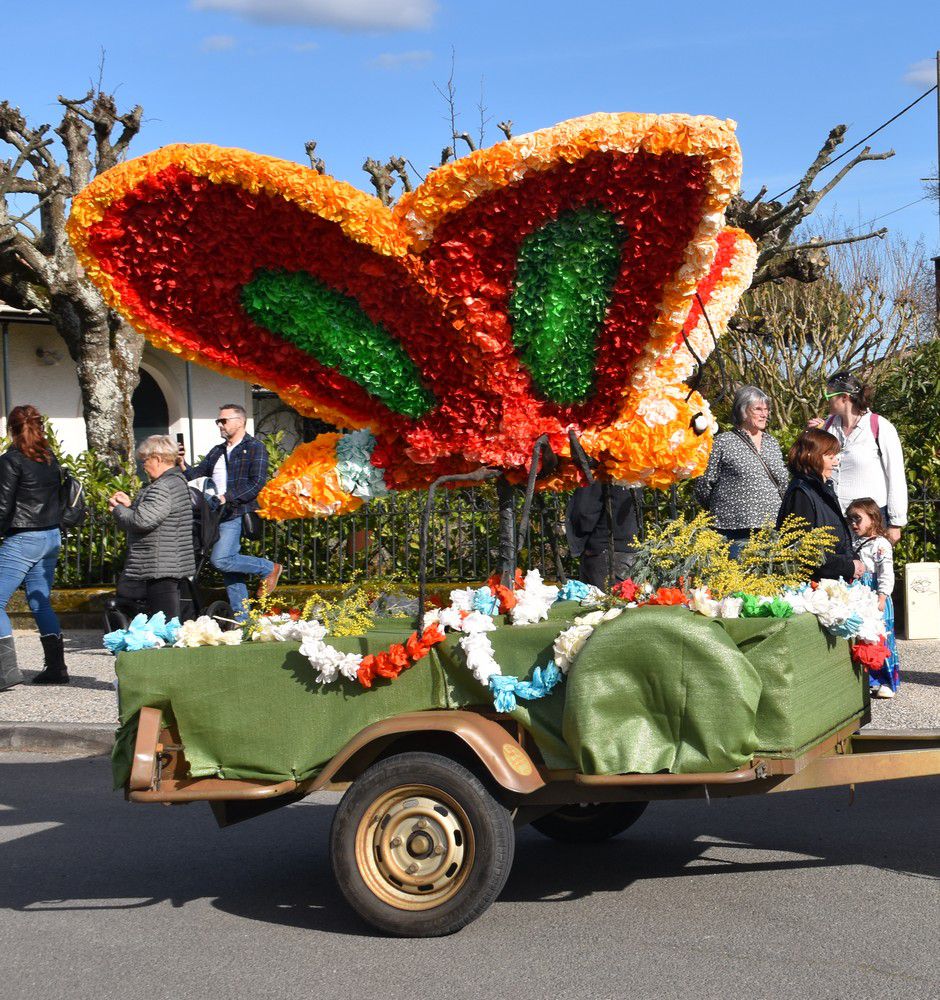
{"points": [[580, 456], [719, 360], [549, 463]]}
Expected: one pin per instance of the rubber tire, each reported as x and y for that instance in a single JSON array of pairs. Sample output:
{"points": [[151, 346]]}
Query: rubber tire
{"points": [[494, 844], [589, 823], [224, 610], [115, 619]]}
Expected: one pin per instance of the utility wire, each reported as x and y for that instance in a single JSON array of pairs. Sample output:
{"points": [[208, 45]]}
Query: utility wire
{"points": [[926, 93]]}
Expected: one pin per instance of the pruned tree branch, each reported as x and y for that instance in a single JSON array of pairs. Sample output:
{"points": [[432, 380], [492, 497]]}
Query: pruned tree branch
{"points": [[382, 179], [397, 165], [38, 267], [468, 139], [772, 224], [505, 127], [315, 161]]}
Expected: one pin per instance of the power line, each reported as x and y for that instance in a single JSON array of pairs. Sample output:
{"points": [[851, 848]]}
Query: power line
{"points": [[884, 125]]}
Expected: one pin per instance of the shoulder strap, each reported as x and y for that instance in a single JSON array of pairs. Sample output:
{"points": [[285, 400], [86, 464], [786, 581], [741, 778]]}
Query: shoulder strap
{"points": [[763, 461], [873, 420], [828, 422]]}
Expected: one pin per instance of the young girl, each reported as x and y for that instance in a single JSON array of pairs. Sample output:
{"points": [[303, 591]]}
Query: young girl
{"points": [[874, 550]]}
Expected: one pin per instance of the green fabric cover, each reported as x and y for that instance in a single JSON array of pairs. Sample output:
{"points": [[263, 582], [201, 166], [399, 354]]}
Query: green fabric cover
{"points": [[655, 689]]}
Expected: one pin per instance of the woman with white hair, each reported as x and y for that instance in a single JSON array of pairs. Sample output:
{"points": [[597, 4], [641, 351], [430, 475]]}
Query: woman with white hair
{"points": [[746, 475], [159, 525]]}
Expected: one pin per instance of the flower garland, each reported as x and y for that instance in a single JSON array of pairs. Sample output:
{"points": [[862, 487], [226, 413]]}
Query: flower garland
{"points": [[536, 287], [143, 633]]}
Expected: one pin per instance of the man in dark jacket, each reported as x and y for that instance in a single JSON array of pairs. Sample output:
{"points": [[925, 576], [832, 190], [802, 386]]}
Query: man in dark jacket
{"points": [[239, 467], [588, 534]]}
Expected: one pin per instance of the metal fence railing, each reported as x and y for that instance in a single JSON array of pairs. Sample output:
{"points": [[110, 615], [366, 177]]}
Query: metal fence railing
{"points": [[381, 539]]}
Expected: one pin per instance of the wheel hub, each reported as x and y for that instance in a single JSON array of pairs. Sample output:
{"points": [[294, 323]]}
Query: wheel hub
{"points": [[414, 847]]}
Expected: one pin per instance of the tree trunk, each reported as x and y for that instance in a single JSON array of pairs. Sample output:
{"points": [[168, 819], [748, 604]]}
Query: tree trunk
{"points": [[107, 352]]}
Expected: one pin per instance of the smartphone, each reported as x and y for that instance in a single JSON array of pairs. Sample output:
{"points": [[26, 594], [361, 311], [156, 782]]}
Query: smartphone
{"points": [[180, 439]]}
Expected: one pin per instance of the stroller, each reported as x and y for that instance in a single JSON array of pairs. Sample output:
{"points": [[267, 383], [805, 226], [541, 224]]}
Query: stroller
{"points": [[130, 599]]}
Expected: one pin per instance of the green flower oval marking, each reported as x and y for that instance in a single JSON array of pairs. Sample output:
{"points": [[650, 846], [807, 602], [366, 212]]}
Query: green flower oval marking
{"points": [[564, 277], [333, 328]]}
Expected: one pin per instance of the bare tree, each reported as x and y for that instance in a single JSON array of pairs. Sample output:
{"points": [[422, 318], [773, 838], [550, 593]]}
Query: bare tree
{"points": [[772, 224], [38, 268], [869, 308]]}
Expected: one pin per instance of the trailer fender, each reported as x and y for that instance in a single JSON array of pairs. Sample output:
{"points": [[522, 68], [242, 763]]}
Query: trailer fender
{"points": [[496, 749]]}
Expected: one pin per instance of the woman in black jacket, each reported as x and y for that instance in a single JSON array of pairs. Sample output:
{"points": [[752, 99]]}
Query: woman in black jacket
{"points": [[30, 510], [814, 455]]}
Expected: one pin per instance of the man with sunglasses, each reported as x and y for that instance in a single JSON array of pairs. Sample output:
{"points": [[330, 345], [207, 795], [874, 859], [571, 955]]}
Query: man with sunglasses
{"points": [[871, 462], [238, 466]]}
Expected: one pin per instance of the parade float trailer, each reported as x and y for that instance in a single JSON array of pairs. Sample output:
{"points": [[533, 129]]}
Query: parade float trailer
{"points": [[529, 315], [663, 705]]}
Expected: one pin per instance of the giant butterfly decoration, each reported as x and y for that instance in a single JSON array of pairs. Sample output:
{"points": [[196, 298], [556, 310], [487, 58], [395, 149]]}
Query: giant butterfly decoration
{"points": [[559, 284]]}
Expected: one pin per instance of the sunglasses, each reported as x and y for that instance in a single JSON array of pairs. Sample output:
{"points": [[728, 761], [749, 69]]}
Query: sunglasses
{"points": [[832, 395], [224, 420], [855, 518]]}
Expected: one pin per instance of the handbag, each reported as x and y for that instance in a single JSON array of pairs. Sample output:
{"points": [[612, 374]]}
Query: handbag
{"points": [[252, 528], [72, 501], [770, 472]]}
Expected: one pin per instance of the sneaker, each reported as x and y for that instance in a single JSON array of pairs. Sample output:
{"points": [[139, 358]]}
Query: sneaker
{"points": [[883, 692], [266, 588]]}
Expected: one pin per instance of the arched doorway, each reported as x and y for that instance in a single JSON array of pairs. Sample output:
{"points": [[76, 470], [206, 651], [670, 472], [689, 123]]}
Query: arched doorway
{"points": [[151, 413]]}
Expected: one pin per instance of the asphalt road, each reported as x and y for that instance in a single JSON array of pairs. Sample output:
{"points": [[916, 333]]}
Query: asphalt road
{"points": [[800, 895]]}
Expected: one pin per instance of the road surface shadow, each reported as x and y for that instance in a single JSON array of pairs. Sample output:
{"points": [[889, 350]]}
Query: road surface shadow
{"points": [[68, 843]]}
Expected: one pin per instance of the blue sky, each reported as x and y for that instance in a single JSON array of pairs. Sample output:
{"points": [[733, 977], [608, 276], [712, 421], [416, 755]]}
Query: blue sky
{"points": [[359, 75]]}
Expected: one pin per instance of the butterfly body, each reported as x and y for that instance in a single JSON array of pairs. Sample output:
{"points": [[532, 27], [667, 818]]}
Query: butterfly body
{"points": [[542, 286]]}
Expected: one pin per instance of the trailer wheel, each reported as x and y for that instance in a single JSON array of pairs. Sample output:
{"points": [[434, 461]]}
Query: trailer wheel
{"points": [[589, 822], [420, 847]]}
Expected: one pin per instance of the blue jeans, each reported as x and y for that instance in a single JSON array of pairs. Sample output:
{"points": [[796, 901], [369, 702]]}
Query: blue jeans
{"points": [[738, 537], [29, 558], [235, 566]]}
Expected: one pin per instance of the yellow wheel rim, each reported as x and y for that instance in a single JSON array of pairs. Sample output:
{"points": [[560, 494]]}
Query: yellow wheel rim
{"points": [[414, 847]]}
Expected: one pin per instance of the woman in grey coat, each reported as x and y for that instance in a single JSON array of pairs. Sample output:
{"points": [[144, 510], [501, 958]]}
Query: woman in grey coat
{"points": [[159, 525], [746, 476]]}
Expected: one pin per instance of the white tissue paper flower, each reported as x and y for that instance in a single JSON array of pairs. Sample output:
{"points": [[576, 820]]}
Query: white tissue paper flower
{"points": [[451, 618], [462, 600], [329, 661], [569, 643], [480, 659], [730, 607], [476, 621], [701, 601], [205, 631], [533, 600]]}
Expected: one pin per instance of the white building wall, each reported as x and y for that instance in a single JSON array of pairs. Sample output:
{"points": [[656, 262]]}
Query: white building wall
{"points": [[50, 383]]}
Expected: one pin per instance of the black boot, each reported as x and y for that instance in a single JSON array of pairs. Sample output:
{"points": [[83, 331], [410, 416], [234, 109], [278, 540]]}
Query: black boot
{"points": [[9, 672], [55, 672]]}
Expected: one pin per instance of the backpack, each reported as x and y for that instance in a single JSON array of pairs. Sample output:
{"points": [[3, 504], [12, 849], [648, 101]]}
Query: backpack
{"points": [[72, 501]]}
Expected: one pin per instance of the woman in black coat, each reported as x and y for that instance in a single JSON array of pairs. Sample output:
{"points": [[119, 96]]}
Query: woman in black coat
{"points": [[814, 455], [30, 510]]}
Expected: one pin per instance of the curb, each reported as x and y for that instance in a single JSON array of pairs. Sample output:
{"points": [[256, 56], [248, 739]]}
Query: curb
{"points": [[83, 739]]}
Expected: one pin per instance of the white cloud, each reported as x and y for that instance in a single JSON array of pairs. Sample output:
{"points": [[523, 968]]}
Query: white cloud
{"points": [[347, 15], [218, 43], [395, 60], [922, 74]]}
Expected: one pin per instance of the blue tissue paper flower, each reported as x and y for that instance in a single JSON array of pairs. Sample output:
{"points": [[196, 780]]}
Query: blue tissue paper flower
{"points": [[485, 601], [507, 689], [574, 590]]}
